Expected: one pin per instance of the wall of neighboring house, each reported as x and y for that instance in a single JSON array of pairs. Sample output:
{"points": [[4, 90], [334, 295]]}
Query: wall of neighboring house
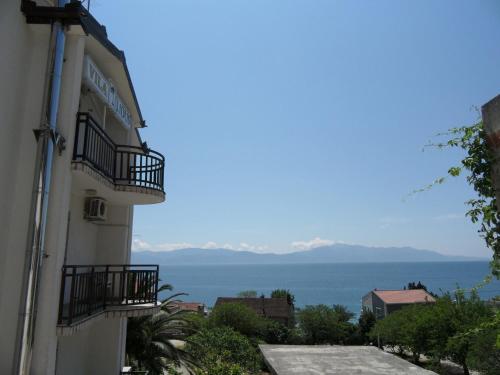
{"points": [[395, 307], [367, 302], [378, 306]]}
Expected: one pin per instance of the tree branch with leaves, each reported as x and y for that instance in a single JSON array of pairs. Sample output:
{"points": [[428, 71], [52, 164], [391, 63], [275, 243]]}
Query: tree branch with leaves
{"points": [[477, 165]]}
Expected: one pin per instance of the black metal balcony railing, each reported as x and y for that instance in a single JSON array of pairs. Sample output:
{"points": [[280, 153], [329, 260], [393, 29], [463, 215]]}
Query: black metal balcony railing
{"points": [[123, 164], [86, 290]]}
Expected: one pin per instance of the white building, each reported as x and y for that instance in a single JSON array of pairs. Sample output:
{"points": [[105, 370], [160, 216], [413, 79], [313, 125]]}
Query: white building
{"points": [[66, 285]]}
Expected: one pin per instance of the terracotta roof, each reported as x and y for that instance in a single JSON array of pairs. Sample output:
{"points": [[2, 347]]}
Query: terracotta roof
{"points": [[269, 307], [404, 296], [189, 306]]}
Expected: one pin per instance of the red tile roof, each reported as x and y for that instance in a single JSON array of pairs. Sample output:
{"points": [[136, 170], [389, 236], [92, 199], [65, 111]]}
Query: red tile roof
{"points": [[189, 306], [268, 307], [405, 296]]}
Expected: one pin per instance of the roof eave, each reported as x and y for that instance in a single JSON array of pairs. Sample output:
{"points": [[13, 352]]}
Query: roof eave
{"points": [[74, 13]]}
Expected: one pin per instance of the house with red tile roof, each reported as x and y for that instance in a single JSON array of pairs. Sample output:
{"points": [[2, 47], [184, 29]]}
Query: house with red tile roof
{"points": [[384, 302], [197, 307], [280, 310]]}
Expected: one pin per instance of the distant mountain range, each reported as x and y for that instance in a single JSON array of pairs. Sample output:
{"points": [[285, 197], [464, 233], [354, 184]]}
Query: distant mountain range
{"points": [[338, 253]]}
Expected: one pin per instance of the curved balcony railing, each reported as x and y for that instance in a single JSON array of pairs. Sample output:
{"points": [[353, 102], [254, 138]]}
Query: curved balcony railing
{"points": [[123, 164], [88, 290]]}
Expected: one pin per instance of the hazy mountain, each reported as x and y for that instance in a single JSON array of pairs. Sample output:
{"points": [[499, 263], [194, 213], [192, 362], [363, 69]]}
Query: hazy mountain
{"points": [[338, 253]]}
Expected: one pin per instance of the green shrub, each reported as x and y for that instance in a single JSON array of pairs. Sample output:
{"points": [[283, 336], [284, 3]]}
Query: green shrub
{"points": [[223, 345], [275, 333], [441, 330], [225, 369], [322, 324], [239, 317], [366, 322]]}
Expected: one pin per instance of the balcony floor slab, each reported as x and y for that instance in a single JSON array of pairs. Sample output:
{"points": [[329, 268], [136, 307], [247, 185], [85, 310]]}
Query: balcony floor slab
{"points": [[86, 177], [124, 311]]}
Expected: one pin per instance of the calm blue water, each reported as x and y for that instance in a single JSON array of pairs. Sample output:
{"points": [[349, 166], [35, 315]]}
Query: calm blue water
{"points": [[323, 283]]}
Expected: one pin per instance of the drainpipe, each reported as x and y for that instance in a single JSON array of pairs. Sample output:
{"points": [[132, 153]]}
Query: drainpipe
{"points": [[47, 138]]}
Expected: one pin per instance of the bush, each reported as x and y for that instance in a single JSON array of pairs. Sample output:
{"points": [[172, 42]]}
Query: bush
{"points": [[237, 316], [366, 322], [275, 333], [484, 355], [322, 324], [225, 369], [247, 294], [441, 330], [195, 321], [217, 348]]}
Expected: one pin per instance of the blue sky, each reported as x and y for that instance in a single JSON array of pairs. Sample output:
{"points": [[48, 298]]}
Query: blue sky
{"points": [[290, 124]]}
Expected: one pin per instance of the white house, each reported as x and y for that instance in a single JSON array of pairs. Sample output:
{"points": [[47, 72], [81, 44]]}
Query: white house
{"points": [[72, 166]]}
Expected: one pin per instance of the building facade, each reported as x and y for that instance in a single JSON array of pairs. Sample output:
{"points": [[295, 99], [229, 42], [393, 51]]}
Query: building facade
{"points": [[384, 302], [78, 288]]}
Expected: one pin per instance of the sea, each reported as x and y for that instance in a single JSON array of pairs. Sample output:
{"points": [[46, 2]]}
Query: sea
{"points": [[329, 284]]}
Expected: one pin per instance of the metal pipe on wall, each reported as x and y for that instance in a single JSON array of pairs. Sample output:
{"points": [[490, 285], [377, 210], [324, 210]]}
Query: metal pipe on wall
{"points": [[47, 139]]}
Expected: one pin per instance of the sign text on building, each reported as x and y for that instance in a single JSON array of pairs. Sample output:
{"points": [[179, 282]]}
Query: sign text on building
{"points": [[96, 81]]}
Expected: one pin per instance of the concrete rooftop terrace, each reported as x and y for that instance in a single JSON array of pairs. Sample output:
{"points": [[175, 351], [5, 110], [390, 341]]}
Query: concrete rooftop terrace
{"points": [[345, 360]]}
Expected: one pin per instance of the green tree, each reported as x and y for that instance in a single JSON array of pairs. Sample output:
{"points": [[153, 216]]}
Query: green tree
{"points": [[413, 285], [322, 324], [440, 330], [224, 369], [237, 316], [484, 355], [390, 331], [275, 333], [409, 329], [149, 346], [223, 348], [478, 165], [247, 294], [366, 322], [469, 313], [343, 313]]}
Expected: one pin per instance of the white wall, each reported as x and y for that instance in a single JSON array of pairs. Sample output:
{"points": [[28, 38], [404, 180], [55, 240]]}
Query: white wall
{"points": [[23, 64], [95, 350], [22, 69], [82, 234], [45, 345]]}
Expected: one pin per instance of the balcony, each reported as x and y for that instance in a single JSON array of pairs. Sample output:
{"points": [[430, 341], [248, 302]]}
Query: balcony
{"points": [[92, 291], [121, 173]]}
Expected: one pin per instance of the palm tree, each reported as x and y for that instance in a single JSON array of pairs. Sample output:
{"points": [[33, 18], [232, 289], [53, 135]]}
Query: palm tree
{"points": [[150, 344]]}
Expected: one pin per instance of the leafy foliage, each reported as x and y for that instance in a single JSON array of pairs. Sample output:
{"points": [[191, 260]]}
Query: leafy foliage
{"points": [[413, 285], [237, 316], [366, 322], [478, 164], [439, 330], [149, 345], [225, 350], [322, 324], [225, 369], [149, 339], [247, 294], [484, 353], [468, 314], [275, 333]]}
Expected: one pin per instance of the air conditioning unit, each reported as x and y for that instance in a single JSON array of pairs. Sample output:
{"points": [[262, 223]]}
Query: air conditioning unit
{"points": [[96, 209]]}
